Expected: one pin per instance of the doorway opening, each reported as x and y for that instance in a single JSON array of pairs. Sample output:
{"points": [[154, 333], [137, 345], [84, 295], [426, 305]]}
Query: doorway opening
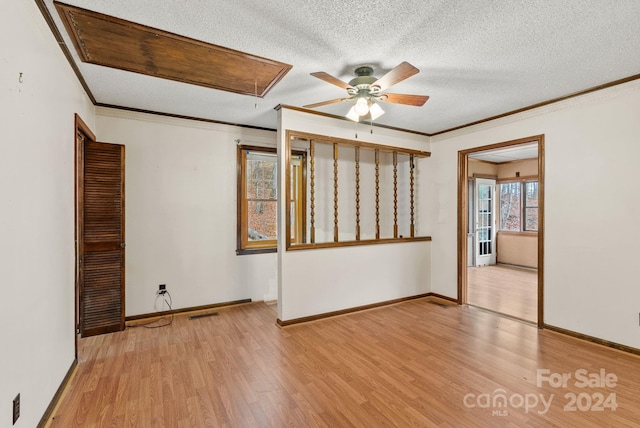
{"points": [[501, 228]]}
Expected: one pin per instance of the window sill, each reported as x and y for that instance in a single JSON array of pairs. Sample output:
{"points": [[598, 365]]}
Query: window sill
{"points": [[247, 251], [518, 233]]}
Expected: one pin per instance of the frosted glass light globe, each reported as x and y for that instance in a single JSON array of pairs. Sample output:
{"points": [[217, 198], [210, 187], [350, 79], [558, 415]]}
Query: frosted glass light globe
{"points": [[362, 106]]}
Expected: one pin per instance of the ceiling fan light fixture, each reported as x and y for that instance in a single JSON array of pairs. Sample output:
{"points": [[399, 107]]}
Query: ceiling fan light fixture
{"points": [[375, 111], [362, 107], [367, 91], [353, 115]]}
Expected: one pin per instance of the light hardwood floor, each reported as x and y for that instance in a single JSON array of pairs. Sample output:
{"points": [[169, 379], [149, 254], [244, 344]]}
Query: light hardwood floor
{"points": [[415, 363], [505, 289]]}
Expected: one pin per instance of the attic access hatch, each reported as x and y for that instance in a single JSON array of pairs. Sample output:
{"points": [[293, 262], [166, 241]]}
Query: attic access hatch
{"points": [[113, 42]]}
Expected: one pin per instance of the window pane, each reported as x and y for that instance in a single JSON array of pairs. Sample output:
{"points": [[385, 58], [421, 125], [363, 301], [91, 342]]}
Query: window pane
{"points": [[531, 206], [531, 188], [261, 222], [294, 223], [483, 234], [261, 175], [295, 214], [510, 206], [531, 221], [482, 192]]}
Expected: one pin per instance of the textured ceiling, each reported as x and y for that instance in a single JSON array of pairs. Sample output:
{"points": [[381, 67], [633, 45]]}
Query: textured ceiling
{"points": [[477, 59]]}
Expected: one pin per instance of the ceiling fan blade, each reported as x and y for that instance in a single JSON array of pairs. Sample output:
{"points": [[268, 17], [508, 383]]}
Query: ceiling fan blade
{"points": [[408, 99], [330, 79], [324, 103], [401, 72]]}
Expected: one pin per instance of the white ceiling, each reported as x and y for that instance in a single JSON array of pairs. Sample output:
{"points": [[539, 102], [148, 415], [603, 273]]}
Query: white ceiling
{"points": [[506, 154], [477, 58]]}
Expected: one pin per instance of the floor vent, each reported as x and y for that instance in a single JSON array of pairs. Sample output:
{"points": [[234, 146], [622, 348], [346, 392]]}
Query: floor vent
{"points": [[210, 314]]}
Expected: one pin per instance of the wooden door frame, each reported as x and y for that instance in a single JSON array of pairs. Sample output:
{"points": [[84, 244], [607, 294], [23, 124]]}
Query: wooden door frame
{"points": [[463, 217], [80, 128]]}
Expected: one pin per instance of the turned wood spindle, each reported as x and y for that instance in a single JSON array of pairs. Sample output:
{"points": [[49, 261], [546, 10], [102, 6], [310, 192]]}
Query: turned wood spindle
{"points": [[395, 194], [411, 193], [377, 194], [312, 162], [357, 193], [335, 192]]}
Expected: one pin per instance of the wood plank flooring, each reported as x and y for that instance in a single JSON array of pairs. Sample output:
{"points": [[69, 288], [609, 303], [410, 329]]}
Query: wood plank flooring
{"points": [[415, 363], [505, 289]]}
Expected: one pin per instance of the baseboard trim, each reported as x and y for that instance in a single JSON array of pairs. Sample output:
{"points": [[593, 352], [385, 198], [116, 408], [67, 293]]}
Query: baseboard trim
{"points": [[502, 314], [598, 341], [189, 309], [517, 266], [56, 397], [443, 297], [349, 310]]}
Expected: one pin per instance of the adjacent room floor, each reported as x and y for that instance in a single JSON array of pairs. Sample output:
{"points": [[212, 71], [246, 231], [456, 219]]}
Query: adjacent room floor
{"points": [[415, 363], [505, 289]]}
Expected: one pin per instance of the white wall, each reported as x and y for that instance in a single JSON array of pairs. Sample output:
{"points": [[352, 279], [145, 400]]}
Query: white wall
{"points": [[180, 216], [331, 279], [592, 206], [312, 282], [36, 218]]}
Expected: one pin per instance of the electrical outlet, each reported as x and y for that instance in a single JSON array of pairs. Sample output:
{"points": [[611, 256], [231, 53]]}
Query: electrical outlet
{"points": [[162, 288], [16, 408]]}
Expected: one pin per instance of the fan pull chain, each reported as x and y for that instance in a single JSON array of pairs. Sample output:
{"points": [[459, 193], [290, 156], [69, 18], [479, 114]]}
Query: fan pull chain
{"points": [[255, 106]]}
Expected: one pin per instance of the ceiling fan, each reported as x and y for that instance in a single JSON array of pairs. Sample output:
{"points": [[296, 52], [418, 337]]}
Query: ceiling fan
{"points": [[366, 90]]}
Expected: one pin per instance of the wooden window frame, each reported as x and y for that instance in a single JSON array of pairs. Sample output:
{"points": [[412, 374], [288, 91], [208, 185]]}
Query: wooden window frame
{"points": [[244, 246]]}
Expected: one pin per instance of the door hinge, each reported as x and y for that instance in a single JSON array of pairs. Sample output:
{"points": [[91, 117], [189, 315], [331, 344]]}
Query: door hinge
{"points": [[77, 328]]}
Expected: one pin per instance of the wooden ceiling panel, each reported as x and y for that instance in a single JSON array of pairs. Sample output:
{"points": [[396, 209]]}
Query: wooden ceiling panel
{"points": [[117, 43]]}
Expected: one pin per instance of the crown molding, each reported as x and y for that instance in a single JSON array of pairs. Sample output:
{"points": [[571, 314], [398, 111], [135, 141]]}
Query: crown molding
{"points": [[592, 96], [183, 121]]}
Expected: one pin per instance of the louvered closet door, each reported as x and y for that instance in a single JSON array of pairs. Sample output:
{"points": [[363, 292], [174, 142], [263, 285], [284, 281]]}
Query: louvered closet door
{"points": [[102, 285]]}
